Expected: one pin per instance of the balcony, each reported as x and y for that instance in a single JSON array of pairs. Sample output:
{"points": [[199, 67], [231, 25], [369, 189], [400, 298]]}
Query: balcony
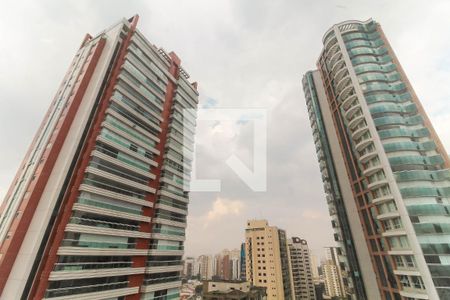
{"points": [[363, 143], [388, 215], [342, 96], [382, 199], [376, 184], [342, 83], [164, 266], [347, 102], [372, 169], [114, 195], [74, 273], [156, 285], [394, 232], [352, 111], [368, 156], [89, 291], [338, 66], [355, 121], [359, 132], [98, 207], [413, 293]]}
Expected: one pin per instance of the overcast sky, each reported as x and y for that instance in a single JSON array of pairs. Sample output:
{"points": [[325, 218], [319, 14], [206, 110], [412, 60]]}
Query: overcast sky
{"points": [[244, 54]]}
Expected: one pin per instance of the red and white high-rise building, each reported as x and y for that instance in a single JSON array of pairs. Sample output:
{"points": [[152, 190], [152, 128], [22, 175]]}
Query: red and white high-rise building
{"points": [[97, 209]]}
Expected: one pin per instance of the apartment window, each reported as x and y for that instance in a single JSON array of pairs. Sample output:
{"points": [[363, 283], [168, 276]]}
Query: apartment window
{"points": [[409, 260], [399, 261], [404, 280]]}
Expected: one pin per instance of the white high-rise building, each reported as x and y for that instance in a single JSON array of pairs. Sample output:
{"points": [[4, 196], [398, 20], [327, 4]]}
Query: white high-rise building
{"points": [[385, 171], [302, 278], [205, 267]]}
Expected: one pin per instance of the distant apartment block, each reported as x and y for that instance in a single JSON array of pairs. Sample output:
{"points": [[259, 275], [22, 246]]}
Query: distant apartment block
{"points": [[267, 259], [334, 281], [242, 275], [204, 267], [98, 208], [189, 265], [302, 277], [232, 290]]}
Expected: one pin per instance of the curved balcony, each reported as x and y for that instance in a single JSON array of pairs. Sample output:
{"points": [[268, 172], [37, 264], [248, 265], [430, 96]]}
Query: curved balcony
{"points": [[352, 111], [330, 42], [337, 67], [364, 143], [341, 73], [342, 83], [377, 184], [333, 49], [347, 102], [334, 59], [383, 199], [359, 132], [355, 122], [344, 93], [372, 170], [366, 157]]}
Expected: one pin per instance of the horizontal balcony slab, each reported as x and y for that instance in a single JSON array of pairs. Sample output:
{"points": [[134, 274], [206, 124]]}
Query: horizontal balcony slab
{"points": [[109, 294], [160, 286], [110, 212], [106, 231], [79, 274], [84, 251]]}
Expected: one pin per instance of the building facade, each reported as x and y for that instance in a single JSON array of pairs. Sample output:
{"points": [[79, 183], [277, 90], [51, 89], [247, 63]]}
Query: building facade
{"points": [[331, 280], [98, 207], [189, 265], [381, 160], [242, 275], [232, 290], [205, 267], [267, 259], [302, 276], [333, 274]]}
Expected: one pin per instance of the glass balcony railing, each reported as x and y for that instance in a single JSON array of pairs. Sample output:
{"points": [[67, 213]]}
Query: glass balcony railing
{"points": [[91, 244], [114, 188], [51, 293], [108, 206], [79, 266], [173, 204], [166, 247], [103, 224], [116, 124], [151, 281], [164, 263], [168, 232]]}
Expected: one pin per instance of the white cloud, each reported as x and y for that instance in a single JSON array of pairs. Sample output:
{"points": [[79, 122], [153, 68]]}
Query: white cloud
{"points": [[224, 207], [311, 214]]}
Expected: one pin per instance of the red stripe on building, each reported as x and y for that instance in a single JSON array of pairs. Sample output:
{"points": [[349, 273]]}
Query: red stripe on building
{"points": [[140, 261], [20, 225], [57, 235]]}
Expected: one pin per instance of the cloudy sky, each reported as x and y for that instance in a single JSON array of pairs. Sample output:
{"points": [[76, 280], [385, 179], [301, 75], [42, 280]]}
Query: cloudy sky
{"points": [[244, 54]]}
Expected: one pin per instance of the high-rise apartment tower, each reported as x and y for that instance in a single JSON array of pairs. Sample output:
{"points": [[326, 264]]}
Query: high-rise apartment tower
{"points": [[98, 208], [267, 259], [385, 171], [302, 276]]}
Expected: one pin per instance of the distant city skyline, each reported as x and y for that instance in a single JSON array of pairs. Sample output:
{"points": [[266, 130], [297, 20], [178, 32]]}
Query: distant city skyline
{"points": [[255, 57]]}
